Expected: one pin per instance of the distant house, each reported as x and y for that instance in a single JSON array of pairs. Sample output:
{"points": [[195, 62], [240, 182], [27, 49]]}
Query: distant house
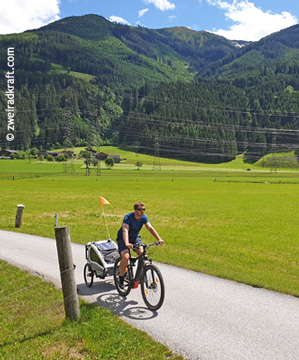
{"points": [[101, 156], [116, 158], [53, 153], [7, 153], [42, 153], [69, 153]]}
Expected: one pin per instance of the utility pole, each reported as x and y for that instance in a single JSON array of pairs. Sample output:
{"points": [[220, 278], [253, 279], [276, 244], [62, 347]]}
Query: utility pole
{"points": [[273, 159], [68, 131], [94, 131], [156, 163]]}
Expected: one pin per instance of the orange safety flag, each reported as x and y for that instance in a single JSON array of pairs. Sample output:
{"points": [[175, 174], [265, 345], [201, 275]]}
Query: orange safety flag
{"points": [[104, 201]]}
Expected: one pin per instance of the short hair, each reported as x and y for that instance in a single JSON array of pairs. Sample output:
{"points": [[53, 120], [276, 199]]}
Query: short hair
{"points": [[138, 204]]}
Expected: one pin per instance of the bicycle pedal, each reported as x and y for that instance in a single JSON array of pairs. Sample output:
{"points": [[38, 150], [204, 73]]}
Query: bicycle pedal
{"points": [[135, 286]]}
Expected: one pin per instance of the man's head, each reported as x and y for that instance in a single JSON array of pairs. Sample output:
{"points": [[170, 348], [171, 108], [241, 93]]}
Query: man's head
{"points": [[139, 208]]}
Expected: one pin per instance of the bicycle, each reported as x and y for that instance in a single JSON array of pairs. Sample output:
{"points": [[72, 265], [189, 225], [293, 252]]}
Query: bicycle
{"points": [[147, 275]]}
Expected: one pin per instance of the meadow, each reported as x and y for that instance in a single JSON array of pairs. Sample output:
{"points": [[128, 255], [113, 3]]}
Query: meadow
{"points": [[218, 219]]}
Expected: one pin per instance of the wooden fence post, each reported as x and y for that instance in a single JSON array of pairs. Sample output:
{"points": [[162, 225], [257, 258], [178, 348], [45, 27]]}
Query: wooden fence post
{"points": [[19, 215], [65, 257]]}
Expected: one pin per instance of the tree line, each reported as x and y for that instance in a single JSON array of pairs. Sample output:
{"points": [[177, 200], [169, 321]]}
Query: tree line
{"points": [[211, 121]]}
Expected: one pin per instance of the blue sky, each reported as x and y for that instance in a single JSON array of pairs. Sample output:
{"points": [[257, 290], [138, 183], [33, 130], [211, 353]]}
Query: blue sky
{"points": [[233, 19]]}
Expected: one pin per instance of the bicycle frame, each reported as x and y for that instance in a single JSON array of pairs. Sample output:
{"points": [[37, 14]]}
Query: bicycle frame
{"points": [[141, 259]]}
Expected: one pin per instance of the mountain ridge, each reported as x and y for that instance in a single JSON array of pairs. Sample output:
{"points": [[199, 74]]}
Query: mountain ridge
{"points": [[143, 81]]}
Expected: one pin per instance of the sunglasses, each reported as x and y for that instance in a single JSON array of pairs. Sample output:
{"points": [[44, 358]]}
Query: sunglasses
{"points": [[143, 209]]}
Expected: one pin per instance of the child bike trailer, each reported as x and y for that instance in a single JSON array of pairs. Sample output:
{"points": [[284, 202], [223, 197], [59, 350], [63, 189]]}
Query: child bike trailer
{"points": [[101, 256]]}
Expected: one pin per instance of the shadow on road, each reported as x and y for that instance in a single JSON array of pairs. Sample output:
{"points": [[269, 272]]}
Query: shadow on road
{"points": [[103, 293]]}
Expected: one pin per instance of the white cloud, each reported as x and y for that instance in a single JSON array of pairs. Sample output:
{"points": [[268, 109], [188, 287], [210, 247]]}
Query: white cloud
{"points": [[19, 15], [161, 4], [118, 19], [251, 22], [142, 12]]}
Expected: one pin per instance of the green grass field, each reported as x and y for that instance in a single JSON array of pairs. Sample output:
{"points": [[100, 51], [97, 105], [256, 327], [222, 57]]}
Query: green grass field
{"points": [[218, 219]]}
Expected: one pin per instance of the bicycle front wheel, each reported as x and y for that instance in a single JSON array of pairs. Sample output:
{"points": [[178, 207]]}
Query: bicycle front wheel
{"points": [[152, 287], [127, 279]]}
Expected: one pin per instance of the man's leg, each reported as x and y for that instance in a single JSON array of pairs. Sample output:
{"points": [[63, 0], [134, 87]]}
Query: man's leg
{"points": [[138, 251], [125, 256]]}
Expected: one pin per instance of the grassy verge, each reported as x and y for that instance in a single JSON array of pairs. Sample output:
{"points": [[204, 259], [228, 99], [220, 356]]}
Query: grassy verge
{"points": [[33, 326]]}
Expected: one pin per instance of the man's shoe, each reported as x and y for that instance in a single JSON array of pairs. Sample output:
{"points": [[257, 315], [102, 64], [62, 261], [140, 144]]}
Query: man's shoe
{"points": [[121, 282]]}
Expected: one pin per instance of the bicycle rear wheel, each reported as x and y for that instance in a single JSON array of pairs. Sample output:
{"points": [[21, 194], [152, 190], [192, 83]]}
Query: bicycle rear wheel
{"points": [[152, 287], [127, 279]]}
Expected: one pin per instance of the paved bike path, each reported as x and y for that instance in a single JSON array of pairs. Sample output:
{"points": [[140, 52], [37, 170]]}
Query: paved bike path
{"points": [[203, 317]]}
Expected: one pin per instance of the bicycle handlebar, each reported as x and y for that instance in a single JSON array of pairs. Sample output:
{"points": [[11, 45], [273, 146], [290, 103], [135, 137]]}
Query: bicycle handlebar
{"points": [[137, 246]]}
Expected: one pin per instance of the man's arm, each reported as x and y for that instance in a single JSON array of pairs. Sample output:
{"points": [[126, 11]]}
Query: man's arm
{"points": [[154, 232], [125, 228]]}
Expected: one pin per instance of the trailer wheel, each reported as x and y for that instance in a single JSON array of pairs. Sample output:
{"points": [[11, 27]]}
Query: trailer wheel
{"points": [[88, 274]]}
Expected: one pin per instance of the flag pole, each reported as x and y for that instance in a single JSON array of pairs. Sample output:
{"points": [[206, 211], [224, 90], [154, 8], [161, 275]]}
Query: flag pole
{"points": [[106, 223], [105, 202]]}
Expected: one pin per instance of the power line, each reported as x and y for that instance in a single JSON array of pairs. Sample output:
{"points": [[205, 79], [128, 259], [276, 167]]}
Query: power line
{"points": [[198, 104], [199, 124], [159, 119], [203, 140]]}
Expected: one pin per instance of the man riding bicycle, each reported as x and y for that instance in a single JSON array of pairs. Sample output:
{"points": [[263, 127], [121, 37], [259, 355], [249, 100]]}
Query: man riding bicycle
{"points": [[128, 235]]}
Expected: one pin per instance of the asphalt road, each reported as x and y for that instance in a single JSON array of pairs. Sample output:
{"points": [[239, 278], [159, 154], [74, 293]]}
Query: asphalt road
{"points": [[203, 317]]}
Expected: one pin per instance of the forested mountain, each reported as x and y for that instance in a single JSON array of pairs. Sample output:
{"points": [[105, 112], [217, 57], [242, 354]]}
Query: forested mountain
{"points": [[213, 121], [199, 95], [180, 49], [275, 54]]}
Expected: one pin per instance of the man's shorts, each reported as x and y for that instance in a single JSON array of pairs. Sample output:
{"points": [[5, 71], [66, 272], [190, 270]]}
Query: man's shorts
{"points": [[122, 246]]}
